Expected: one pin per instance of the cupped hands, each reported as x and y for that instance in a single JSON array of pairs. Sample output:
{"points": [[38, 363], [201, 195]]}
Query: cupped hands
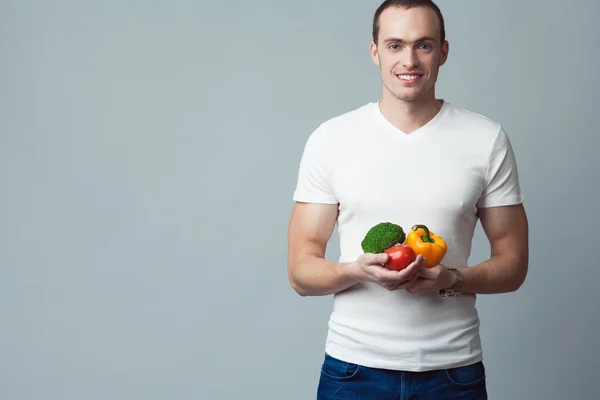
{"points": [[370, 267], [415, 278]]}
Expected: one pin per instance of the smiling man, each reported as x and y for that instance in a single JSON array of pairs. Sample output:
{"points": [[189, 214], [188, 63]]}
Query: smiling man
{"points": [[410, 159]]}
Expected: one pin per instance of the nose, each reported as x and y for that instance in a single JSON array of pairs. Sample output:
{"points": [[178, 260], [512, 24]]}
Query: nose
{"points": [[409, 59]]}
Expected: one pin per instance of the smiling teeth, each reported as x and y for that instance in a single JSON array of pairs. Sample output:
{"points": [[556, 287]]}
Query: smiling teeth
{"points": [[408, 77]]}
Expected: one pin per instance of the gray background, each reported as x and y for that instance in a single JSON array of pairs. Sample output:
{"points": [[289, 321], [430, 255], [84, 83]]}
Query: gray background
{"points": [[149, 153]]}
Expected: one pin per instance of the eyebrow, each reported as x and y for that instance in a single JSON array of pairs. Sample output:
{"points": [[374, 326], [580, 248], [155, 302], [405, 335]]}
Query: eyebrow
{"points": [[397, 40]]}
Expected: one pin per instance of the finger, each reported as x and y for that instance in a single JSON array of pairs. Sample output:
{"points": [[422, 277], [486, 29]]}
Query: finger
{"points": [[396, 277], [412, 272], [416, 286], [411, 280], [422, 286], [387, 285], [421, 260], [431, 273], [416, 266], [386, 276], [402, 276], [374, 259]]}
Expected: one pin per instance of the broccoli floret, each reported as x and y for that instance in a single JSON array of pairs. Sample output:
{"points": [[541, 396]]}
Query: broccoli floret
{"points": [[382, 236]]}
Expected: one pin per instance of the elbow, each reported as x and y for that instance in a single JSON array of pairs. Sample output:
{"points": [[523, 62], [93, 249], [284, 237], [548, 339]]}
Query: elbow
{"points": [[520, 277], [301, 292], [298, 288], [513, 287]]}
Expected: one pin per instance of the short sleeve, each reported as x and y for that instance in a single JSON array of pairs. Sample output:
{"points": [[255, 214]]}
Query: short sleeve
{"points": [[502, 186], [314, 183]]}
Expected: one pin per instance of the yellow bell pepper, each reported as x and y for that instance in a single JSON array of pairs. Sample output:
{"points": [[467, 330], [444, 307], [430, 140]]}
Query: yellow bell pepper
{"points": [[431, 246]]}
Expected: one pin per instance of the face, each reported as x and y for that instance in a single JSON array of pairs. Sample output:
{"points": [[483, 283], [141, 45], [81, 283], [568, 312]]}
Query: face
{"points": [[409, 53]]}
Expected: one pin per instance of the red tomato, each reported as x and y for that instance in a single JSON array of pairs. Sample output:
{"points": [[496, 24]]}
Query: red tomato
{"points": [[400, 257]]}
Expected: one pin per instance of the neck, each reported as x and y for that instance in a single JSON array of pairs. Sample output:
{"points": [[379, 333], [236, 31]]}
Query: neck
{"points": [[409, 116]]}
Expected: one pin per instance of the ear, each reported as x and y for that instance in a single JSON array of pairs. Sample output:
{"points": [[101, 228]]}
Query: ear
{"points": [[444, 53], [374, 53]]}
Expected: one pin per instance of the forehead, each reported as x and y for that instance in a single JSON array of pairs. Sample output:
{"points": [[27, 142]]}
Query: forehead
{"points": [[408, 24]]}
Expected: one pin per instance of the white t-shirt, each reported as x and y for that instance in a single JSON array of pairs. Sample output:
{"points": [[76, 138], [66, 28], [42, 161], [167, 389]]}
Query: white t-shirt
{"points": [[437, 176]]}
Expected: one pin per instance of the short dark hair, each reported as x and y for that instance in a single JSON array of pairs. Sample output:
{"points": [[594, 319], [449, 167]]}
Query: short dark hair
{"points": [[406, 4]]}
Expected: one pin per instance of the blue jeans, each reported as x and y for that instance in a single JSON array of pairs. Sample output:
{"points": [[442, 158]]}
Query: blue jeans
{"points": [[347, 381]]}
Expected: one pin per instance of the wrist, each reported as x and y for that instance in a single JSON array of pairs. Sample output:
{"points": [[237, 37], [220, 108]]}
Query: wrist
{"points": [[450, 279], [349, 272], [454, 283]]}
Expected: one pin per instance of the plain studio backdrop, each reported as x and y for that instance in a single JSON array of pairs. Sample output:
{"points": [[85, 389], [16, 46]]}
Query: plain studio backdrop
{"points": [[149, 153]]}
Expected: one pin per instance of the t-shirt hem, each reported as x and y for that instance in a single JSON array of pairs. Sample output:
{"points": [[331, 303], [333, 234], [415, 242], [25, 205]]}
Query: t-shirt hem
{"points": [[501, 201], [314, 199], [351, 357]]}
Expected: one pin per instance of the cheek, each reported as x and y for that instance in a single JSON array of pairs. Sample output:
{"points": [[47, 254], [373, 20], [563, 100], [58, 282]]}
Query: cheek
{"points": [[432, 62], [389, 64]]}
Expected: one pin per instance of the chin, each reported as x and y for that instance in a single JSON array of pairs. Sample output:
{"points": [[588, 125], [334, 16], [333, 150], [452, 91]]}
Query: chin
{"points": [[409, 98], [407, 95]]}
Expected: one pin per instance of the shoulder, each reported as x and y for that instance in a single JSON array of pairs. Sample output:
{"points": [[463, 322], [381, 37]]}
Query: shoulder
{"points": [[351, 117], [341, 126], [474, 121], [476, 128]]}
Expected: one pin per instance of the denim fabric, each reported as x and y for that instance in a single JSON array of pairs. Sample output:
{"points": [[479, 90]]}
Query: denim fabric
{"points": [[343, 380]]}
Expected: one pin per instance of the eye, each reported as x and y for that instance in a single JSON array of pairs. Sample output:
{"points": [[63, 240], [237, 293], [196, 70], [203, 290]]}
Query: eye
{"points": [[425, 46], [393, 46]]}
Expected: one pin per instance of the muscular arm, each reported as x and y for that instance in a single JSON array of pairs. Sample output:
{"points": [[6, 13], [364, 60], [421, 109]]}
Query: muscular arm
{"points": [[507, 230], [310, 274]]}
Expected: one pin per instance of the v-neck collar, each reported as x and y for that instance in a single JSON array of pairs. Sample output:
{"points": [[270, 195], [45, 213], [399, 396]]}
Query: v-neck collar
{"points": [[385, 123]]}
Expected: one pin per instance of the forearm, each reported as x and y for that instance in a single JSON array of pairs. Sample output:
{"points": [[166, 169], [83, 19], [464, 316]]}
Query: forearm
{"points": [[499, 274], [315, 276]]}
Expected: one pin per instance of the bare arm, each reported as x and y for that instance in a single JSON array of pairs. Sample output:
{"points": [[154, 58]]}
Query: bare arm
{"points": [[507, 231], [310, 274]]}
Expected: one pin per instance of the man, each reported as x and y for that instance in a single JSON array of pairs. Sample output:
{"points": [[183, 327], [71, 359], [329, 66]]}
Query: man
{"points": [[410, 159]]}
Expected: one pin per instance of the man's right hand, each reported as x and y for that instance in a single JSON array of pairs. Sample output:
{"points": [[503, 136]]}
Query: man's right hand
{"points": [[310, 274], [369, 267]]}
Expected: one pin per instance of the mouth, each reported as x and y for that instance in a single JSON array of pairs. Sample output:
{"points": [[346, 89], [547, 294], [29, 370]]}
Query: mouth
{"points": [[409, 78]]}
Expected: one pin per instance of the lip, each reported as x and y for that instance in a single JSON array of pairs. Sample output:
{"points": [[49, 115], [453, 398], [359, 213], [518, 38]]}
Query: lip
{"points": [[417, 77]]}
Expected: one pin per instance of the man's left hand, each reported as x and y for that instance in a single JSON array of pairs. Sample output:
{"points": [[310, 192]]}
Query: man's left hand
{"points": [[433, 279]]}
